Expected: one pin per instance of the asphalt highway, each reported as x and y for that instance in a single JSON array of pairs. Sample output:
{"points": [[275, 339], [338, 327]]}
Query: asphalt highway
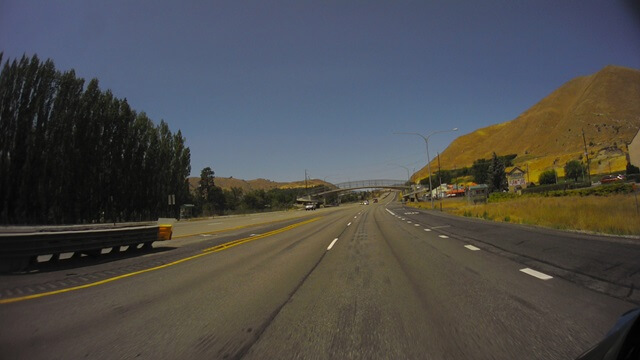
{"points": [[354, 282]]}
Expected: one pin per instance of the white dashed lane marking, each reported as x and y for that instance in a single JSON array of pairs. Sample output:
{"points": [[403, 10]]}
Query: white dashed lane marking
{"points": [[472, 248], [349, 224], [443, 236], [537, 274], [427, 229], [417, 225], [332, 243]]}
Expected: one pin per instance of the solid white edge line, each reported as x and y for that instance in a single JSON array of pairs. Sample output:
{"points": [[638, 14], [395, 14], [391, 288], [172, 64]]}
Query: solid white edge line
{"points": [[537, 274], [332, 243], [472, 248]]}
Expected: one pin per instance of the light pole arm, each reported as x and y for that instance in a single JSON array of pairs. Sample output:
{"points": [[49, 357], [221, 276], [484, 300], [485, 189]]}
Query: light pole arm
{"points": [[426, 144]]}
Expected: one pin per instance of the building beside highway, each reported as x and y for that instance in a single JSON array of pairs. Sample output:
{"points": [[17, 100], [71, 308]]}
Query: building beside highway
{"points": [[478, 193], [634, 150], [516, 179]]}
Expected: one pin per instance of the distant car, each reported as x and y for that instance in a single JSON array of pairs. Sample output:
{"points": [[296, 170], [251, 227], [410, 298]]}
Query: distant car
{"points": [[612, 178], [310, 207], [366, 202]]}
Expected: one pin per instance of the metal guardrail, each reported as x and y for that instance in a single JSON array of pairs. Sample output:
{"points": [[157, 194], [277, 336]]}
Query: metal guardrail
{"points": [[20, 246]]}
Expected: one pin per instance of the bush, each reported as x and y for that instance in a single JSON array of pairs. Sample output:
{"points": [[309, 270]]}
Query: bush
{"points": [[604, 190], [574, 169], [547, 177], [631, 169], [501, 196], [633, 177], [555, 187]]}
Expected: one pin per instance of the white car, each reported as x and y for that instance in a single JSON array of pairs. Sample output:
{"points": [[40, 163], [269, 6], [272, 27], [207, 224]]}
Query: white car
{"points": [[310, 207]]}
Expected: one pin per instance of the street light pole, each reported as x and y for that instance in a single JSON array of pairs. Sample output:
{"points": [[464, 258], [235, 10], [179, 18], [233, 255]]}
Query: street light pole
{"points": [[426, 143], [408, 171]]}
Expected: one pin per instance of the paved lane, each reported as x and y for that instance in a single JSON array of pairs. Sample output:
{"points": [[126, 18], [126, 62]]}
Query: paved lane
{"points": [[386, 288], [608, 264], [389, 289]]}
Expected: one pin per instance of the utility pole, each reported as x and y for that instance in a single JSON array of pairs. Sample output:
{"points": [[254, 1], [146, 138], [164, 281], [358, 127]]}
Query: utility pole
{"points": [[586, 153], [439, 181]]}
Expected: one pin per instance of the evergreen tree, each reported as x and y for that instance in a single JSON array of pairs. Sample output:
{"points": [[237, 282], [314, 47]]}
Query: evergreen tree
{"points": [[71, 155], [497, 175], [480, 171]]}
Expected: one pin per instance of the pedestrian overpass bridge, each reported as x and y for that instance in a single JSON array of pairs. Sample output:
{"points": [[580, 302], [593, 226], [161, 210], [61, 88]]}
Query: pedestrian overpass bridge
{"points": [[356, 185]]}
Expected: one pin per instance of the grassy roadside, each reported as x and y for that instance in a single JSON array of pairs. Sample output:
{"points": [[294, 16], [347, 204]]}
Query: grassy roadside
{"points": [[614, 214]]}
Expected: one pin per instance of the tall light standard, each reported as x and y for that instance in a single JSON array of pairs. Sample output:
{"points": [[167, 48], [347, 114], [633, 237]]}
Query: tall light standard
{"points": [[406, 168], [426, 143]]}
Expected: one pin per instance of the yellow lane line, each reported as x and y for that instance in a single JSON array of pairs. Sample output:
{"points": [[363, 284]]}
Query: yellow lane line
{"points": [[256, 237], [205, 252]]}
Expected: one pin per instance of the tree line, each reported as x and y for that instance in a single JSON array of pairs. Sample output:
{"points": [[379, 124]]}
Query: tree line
{"points": [[210, 199], [483, 171], [492, 172], [73, 153]]}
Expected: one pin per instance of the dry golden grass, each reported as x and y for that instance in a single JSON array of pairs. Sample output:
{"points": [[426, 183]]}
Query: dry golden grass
{"points": [[603, 104], [615, 214]]}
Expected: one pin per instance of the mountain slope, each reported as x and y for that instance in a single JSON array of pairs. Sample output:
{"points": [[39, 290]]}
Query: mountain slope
{"points": [[606, 105], [257, 184]]}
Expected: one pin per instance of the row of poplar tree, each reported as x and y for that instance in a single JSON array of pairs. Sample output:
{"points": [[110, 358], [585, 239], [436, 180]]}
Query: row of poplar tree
{"points": [[71, 153]]}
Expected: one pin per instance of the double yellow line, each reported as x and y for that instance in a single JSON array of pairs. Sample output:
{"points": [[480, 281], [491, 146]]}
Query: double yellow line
{"points": [[204, 252], [256, 237]]}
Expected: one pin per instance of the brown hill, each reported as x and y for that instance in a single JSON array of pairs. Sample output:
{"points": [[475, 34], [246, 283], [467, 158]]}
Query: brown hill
{"points": [[606, 105], [256, 184]]}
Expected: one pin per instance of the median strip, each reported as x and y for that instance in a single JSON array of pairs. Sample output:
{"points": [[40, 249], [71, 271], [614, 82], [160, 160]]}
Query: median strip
{"points": [[205, 252]]}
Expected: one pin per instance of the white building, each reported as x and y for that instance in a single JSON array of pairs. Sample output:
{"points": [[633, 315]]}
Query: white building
{"points": [[634, 150]]}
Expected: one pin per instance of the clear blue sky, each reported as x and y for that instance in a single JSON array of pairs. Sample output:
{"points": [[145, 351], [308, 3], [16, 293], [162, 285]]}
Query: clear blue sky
{"points": [[269, 89]]}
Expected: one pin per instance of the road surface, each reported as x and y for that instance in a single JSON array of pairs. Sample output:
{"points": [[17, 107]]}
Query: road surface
{"points": [[356, 282]]}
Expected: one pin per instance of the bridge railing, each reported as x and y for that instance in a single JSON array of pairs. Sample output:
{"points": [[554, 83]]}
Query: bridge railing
{"points": [[370, 183]]}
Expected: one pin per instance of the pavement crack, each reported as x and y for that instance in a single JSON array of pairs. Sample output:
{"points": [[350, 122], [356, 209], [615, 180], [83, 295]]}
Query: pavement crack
{"points": [[257, 333]]}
